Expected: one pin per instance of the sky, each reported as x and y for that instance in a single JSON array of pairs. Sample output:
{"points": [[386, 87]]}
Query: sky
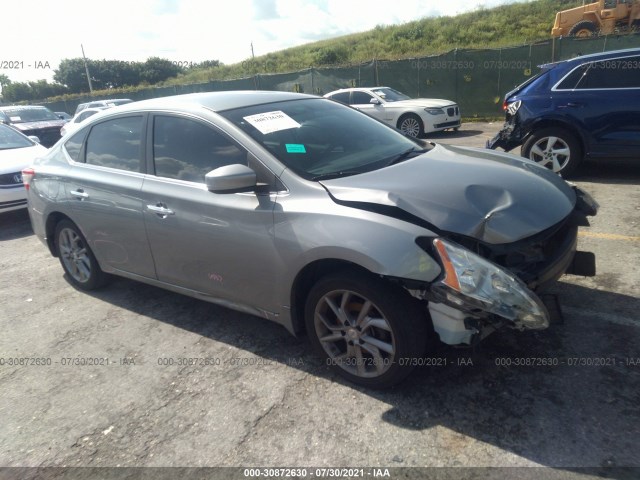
{"points": [[191, 30]]}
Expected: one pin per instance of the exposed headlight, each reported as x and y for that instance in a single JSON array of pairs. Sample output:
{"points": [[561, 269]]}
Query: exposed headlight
{"points": [[434, 111], [475, 282]]}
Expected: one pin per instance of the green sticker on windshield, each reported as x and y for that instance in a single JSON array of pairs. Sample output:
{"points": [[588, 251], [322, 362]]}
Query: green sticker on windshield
{"points": [[295, 148]]}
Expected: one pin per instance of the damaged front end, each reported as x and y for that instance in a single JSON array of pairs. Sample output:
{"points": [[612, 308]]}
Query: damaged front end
{"points": [[485, 287], [511, 135]]}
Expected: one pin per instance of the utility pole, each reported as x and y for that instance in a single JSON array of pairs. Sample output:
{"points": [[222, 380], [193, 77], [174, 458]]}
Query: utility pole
{"points": [[252, 55], [86, 69]]}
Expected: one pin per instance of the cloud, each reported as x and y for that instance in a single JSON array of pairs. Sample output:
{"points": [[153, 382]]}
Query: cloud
{"points": [[265, 9], [190, 30]]}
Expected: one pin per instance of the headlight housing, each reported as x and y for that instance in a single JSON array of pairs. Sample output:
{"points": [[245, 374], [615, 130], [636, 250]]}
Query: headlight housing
{"points": [[471, 281], [513, 107], [434, 111]]}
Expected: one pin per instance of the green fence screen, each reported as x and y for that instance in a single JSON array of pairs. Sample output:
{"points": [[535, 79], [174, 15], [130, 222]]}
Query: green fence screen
{"points": [[476, 79]]}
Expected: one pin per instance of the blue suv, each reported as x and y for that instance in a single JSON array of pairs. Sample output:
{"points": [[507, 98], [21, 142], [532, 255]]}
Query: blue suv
{"points": [[588, 106]]}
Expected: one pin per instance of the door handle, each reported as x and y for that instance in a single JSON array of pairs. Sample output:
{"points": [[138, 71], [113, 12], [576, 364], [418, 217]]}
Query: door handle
{"points": [[80, 194], [160, 209]]}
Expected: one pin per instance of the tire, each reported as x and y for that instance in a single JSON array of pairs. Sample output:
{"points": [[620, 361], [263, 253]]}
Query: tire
{"points": [[554, 148], [367, 330], [583, 29], [411, 125], [76, 258]]}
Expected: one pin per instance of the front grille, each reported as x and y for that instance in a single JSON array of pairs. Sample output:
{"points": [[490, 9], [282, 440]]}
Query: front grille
{"points": [[10, 179], [455, 123]]}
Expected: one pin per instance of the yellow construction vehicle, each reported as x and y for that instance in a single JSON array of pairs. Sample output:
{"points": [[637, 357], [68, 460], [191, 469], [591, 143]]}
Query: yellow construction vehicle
{"points": [[603, 17]]}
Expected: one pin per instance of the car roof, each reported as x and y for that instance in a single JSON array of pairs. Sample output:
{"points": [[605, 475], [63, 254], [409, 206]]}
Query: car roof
{"points": [[215, 101], [594, 56], [358, 89]]}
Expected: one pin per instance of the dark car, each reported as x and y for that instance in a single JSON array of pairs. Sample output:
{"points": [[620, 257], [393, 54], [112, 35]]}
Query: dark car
{"points": [[34, 121], [63, 116], [586, 107]]}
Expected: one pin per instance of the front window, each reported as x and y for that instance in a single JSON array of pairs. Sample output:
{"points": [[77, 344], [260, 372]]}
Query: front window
{"points": [[24, 115], [10, 139], [390, 95], [187, 150], [317, 138]]}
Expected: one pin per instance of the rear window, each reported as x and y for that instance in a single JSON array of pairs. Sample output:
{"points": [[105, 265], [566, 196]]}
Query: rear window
{"points": [[617, 73]]}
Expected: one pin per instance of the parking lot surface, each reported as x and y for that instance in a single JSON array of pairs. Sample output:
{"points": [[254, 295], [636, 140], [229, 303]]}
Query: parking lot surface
{"points": [[132, 375]]}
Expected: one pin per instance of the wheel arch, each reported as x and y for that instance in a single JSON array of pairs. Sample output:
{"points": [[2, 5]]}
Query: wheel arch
{"points": [[306, 278], [421, 121], [50, 227], [550, 123]]}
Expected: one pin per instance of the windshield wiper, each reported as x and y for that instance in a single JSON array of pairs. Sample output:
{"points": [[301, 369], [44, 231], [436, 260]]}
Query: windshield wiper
{"points": [[413, 151], [329, 176]]}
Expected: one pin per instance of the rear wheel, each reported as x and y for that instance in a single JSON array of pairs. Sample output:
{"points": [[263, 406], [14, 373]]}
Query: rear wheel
{"points": [[554, 148], [411, 125], [76, 257], [370, 332]]}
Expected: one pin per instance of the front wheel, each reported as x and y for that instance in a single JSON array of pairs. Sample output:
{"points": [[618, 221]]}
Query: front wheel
{"points": [[370, 332], [554, 148], [411, 125], [76, 257]]}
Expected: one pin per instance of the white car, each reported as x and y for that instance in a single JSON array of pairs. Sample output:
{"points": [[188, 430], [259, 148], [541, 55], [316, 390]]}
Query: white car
{"points": [[17, 151], [73, 124], [413, 116]]}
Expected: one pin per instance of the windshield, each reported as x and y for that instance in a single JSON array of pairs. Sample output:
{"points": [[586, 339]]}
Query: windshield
{"points": [[390, 95], [23, 115], [10, 139], [318, 138]]}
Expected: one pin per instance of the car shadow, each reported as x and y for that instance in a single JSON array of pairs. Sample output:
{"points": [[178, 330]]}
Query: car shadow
{"points": [[616, 171], [449, 134], [565, 397], [14, 225]]}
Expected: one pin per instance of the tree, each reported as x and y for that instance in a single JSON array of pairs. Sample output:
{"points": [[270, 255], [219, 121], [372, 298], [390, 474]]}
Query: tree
{"points": [[4, 80], [157, 69], [71, 72], [16, 91]]}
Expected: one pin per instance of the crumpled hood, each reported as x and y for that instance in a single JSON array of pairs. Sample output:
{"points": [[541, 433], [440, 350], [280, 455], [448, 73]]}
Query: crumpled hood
{"points": [[421, 102], [494, 197]]}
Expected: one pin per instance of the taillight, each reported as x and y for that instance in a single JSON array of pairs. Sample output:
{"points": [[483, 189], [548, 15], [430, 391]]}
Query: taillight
{"points": [[505, 105], [27, 176]]}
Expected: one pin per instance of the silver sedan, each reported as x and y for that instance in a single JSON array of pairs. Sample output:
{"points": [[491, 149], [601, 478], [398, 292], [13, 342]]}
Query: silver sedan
{"points": [[311, 214]]}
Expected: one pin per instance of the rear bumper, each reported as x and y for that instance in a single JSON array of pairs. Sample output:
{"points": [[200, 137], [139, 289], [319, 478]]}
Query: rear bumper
{"points": [[508, 138]]}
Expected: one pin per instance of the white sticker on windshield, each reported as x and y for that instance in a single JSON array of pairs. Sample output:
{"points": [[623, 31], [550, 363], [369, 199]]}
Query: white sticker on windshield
{"points": [[14, 119], [272, 121]]}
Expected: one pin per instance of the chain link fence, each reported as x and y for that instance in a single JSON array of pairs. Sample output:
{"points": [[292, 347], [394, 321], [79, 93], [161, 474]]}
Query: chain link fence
{"points": [[476, 79]]}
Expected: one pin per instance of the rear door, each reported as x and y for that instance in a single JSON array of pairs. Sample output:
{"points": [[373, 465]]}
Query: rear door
{"points": [[605, 97], [103, 189], [217, 244]]}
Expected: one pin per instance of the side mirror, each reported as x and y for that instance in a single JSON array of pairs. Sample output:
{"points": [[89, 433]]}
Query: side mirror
{"points": [[375, 101], [231, 179], [33, 138]]}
